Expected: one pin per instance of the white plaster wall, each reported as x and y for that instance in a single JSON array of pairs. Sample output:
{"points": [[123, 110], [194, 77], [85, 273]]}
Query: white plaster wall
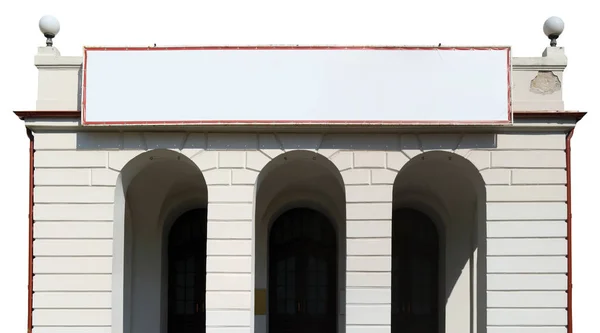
{"points": [[76, 262]]}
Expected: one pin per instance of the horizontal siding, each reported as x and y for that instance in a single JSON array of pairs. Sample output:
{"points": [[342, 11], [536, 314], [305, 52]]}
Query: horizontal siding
{"points": [[526, 236], [72, 265], [228, 318], [526, 317], [72, 247], [369, 263], [61, 177], [368, 193], [222, 247], [527, 299], [526, 233], [230, 230], [55, 141], [529, 141], [527, 264], [229, 211], [368, 328], [368, 314], [70, 159], [231, 194], [228, 282], [526, 282], [529, 159], [229, 300], [369, 246], [526, 229], [104, 177], [368, 279], [74, 317], [72, 282], [72, 300], [73, 212], [368, 229], [80, 230], [72, 329], [221, 264], [73, 194], [526, 193], [538, 176], [368, 296], [527, 246], [369, 211], [508, 211], [496, 176], [527, 329]]}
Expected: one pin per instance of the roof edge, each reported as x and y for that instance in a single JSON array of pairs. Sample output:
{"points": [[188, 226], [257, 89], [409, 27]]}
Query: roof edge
{"points": [[566, 115]]}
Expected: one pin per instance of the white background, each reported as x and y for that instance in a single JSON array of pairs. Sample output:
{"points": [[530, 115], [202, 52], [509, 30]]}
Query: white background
{"points": [[425, 22]]}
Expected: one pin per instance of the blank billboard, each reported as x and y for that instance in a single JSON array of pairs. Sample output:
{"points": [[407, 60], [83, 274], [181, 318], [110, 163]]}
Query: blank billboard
{"points": [[328, 85]]}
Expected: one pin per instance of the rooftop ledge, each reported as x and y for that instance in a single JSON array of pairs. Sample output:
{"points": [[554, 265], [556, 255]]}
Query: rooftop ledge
{"points": [[522, 120], [536, 82]]}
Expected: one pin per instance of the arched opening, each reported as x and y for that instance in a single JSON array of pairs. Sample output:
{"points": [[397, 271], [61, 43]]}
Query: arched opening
{"points": [[438, 246], [187, 273], [157, 191], [300, 244], [302, 272]]}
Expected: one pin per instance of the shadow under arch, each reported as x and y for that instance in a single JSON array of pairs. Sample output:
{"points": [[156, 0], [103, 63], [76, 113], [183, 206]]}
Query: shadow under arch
{"points": [[450, 191], [298, 181], [153, 189]]}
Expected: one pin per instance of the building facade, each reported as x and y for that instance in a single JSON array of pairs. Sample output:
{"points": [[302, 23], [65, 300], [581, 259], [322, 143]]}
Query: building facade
{"points": [[357, 228]]}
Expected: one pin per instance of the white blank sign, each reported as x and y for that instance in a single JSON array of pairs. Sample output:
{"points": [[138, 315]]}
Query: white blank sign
{"points": [[296, 85]]}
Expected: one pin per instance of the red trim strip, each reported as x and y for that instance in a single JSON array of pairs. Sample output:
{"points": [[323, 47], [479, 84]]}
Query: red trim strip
{"points": [[569, 237], [290, 47], [508, 79], [84, 85], [30, 259], [297, 122]]}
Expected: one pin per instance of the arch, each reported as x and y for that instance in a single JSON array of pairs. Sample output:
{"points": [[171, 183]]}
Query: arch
{"points": [[294, 162], [298, 179], [450, 191], [152, 190]]}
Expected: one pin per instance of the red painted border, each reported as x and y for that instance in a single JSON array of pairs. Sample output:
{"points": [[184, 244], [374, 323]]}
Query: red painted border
{"points": [[290, 47], [569, 237], [297, 122], [30, 245]]}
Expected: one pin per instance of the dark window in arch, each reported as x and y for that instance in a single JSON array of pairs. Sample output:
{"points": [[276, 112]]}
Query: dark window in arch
{"points": [[303, 273], [415, 273], [187, 273]]}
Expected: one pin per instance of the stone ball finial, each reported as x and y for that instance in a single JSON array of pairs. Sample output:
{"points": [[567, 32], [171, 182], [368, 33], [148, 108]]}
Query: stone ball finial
{"points": [[553, 27], [50, 27]]}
